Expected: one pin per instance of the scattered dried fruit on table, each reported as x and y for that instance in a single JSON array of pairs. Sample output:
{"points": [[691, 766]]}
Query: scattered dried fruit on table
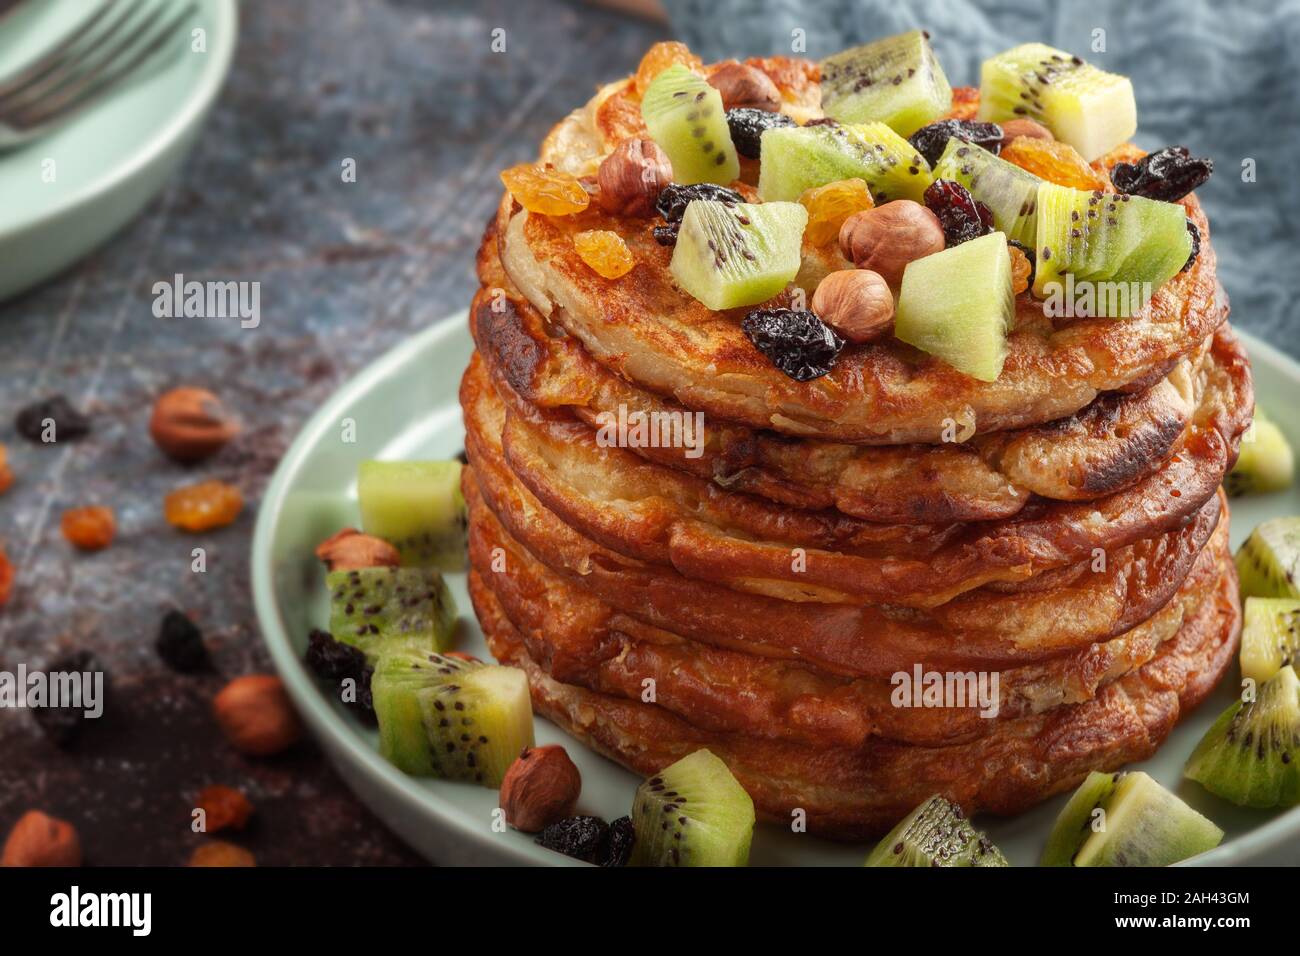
{"points": [[41, 840], [828, 206], [618, 845], [6, 475], [1022, 270], [631, 178], [6, 576], [63, 725], [220, 853], [1054, 161], [962, 216], [579, 837], [605, 252], [796, 342], [180, 644], [744, 86], [747, 126], [930, 141], [90, 528], [540, 788], [349, 550], [1168, 174], [544, 190], [190, 424], [223, 807], [256, 715], [887, 238], [659, 58], [51, 420], [201, 507], [856, 303]]}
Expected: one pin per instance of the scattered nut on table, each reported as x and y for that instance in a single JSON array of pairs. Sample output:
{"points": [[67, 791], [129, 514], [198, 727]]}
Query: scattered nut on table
{"points": [[541, 787], [350, 550], [40, 840], [256, 716], [885, 239], [856, 303], [631, 178], [190, 424]]}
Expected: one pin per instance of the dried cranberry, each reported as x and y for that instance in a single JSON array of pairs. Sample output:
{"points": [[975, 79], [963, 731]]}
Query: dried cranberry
{"points": [[579, 837], [674, 199], [930, 141], [798, 343], [748, 125], [960, 214], [618, 847], [64, 724], [1168, 174], [69, 424], [1196, 245], [180, 644]]}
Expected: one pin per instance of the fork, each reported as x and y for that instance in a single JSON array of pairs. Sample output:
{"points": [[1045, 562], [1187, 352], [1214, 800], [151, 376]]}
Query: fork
{"points": [[110, 44]]}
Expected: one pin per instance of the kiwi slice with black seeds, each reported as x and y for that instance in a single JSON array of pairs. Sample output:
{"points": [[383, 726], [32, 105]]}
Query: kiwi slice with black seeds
{"points": [[417, 507], [1268, 564], [734, 254], [797, 158], [1266, 462], [1011, 193], [379, 609], [1270, 636], [936, 833], [1079, 819], [685, 117], [692, 813], [896, 81]]}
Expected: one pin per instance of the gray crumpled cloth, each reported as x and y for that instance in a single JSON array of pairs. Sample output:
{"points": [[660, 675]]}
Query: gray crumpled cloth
{"points": [[1221, 78]]}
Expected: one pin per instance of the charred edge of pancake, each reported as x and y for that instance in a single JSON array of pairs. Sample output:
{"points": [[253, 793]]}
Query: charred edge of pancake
{"points": [[496, 327]]}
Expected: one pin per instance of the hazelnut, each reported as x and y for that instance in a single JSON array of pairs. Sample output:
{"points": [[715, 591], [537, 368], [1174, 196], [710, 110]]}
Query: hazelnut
{"points": [[745, 86], [540, 788], [221, 853], [885, 239], [41, 840], [350, 549], [190, 424], [856, 303], [631, 178], [256, 716], [1023, 127]]}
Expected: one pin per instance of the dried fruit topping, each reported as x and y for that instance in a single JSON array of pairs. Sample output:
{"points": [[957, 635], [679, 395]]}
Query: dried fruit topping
{"points": [[618, 847], [1054, 161], [64, 724], [931, 140], [223, 807], [745, 87], [960, 214], [209, 504], [256, 716], [6, 476], [796, 342], [90, 528], [666, 235], [1168, 174], [747, 127], [190, 424], [828, 206], [544, 190], [220, 853], [674, 199], [41, 840], [6, 576], [51, 420], [631, 178], [1196, 251], [180, 644], [578, 837], [659, 58], [1022, 267], [333, 661], [605, 251]]}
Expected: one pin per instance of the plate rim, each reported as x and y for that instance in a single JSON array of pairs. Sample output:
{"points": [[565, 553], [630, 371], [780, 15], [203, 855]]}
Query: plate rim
{"points": [[341, 738]]}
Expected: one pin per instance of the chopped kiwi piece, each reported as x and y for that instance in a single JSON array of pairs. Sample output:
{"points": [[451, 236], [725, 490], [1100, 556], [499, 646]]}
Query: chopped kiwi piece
{"points": [[445, 717], [1011, 193], [797, 158], [936, 833], [1270, 637], [685, 117], [1141, 824], [957, 305], [1092, 110], [378, 609], [1079, 820], [732, 255], [896, 81], [1117, 250], [1266, 462], [692, 813], [1268, 564], [417, 506], [1251, 755]]}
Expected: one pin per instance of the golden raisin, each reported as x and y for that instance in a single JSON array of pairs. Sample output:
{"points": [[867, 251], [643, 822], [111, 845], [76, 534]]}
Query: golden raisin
{"points": [[605, 252], [828, 206], [1020, 271], [90, 528], [6, 576], [220, 853], [659, 58], [224, 807], [6, 476], [1054, 161], [544, 190], [209, 504]]}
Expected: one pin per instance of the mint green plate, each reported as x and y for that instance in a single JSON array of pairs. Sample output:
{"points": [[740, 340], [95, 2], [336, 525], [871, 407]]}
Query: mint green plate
{"points": [[404, 406], [110, 159]]}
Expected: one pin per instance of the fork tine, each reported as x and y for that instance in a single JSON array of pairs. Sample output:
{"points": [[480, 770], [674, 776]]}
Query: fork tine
{"points": [[52, 58], [95, 83]]}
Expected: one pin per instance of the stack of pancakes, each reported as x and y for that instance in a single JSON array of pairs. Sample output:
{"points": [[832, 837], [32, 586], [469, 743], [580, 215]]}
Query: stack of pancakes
{"points": [[769, 591]]}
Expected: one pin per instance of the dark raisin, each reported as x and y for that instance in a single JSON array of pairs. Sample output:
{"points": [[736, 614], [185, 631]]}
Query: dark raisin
{"points": [[1196, 245], [180, 644], [823, 121], [673, 199], [960, 214], [798, 343], [334, 661], [578, 837], [667, 235], [930, 141], [63, 725], [747, 126], [1168, 174], [618, 847], [1029, 254], [69, 424]]}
